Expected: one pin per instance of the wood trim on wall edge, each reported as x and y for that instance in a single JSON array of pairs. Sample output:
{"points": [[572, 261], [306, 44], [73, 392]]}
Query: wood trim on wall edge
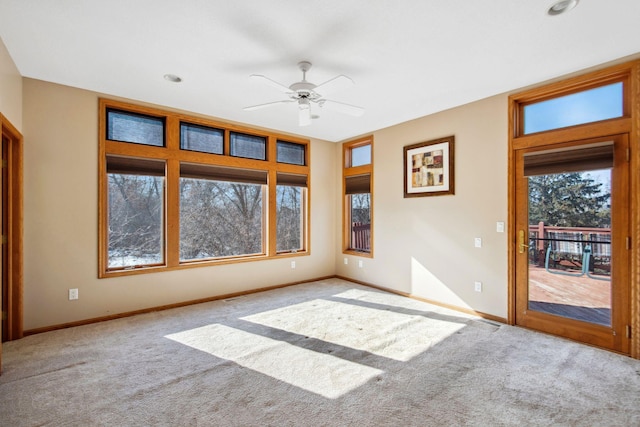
{"points": [[253, 291], [165, 307], [429, 301]]}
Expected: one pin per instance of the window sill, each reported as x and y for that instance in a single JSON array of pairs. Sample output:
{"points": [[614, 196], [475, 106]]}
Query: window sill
{"points": [[195, 264], [358, 253]]}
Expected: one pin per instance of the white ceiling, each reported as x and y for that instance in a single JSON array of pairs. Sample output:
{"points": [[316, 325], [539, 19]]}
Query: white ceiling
{"points": [[408, 58]]}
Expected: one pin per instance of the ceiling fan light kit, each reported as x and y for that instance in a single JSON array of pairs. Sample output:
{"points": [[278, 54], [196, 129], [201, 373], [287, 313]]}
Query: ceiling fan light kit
{"points": [[305, 93]]}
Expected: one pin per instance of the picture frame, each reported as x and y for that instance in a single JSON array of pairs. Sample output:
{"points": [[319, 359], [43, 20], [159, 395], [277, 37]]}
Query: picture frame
{"points": [[429, 168]]}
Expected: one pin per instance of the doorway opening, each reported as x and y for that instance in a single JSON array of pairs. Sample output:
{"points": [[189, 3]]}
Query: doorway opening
{"points": [[573, 208], [572, 262]]}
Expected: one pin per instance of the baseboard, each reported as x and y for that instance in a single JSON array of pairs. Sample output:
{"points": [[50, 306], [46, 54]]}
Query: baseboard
{"points": [[253, 291], [164, 307], [429, 301]]}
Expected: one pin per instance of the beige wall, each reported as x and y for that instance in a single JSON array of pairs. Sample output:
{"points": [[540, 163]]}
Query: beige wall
{"points": [[60, 222], [10, 89], [425, 245]]}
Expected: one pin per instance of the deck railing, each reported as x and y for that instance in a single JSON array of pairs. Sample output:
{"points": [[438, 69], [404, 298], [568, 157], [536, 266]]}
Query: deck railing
{"points": [[571, 250], [361, 236]]}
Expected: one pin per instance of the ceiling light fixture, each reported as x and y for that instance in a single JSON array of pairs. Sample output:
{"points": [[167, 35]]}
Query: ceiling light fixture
{"points": [[561, 7], [305, 93], [172, 78]]}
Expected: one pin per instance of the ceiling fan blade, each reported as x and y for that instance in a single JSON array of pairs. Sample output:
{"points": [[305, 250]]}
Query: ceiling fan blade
{"points": [[304, 115], [268, 104], [335, 84], [271, 82], [342, 107]]}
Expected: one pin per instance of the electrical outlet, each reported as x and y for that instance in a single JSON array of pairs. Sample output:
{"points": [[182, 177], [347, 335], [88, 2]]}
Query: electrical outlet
{"points": [[478, 286], [73, 294], [346, 261], [293, 265], [360, 264]]}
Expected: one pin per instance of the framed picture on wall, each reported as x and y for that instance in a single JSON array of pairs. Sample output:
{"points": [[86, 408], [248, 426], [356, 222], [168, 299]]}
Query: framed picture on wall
{"points": [[428, 168]]}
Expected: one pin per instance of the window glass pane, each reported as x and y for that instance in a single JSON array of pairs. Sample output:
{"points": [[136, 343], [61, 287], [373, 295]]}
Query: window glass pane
{"points": [[361, 155], [248, 146], [135, 220], [589, 106], [360, 221], [290, 153], [201, 138], [289, 218], [219, 219], [570, 254], [137, 128]]}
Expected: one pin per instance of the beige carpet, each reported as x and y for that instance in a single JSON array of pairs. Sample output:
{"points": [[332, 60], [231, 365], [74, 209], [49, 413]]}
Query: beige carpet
{"points": [[326, 353]]}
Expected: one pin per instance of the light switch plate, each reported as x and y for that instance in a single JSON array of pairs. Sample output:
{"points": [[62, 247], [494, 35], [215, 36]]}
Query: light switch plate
{"points": [[478, 242], [500, 227]]}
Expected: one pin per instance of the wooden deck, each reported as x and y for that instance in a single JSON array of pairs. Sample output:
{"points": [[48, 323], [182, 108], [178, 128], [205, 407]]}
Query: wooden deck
{"points": [[580, 298]]}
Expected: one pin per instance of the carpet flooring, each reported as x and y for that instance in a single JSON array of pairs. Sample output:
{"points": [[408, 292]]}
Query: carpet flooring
{"points": [[325, 353]]}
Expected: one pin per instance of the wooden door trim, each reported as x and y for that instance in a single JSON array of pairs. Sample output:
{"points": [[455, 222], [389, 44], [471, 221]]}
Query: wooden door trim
{"points": [[634, 188], [611, 337], [14, 228], [629, 124]]}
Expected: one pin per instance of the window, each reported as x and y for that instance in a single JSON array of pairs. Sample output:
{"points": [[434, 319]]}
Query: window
{"points": [[290, 200], [135, 217], [201, 138], [358, 199], [588, 106], [361, 155], [221, 211], [179, 192], [291, 153], [248, 146], [136, 128]]}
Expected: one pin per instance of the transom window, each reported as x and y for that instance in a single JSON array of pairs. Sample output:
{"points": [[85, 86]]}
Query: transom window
{"points": [[587, 106], [179, 192], [201, 138], [136, 128], [357, 176]]}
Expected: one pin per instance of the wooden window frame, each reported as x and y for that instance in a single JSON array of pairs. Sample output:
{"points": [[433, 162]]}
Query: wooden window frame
{"points": [[173, 155], [563, 88], [349, 171], [628, 123]]}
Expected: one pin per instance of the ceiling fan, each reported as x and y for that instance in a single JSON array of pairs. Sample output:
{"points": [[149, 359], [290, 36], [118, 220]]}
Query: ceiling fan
{"points": [[305, 93]]}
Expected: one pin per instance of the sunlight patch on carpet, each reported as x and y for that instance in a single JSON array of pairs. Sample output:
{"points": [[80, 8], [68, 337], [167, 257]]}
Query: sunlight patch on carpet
{"points": [[318, 373], [383, 332]]}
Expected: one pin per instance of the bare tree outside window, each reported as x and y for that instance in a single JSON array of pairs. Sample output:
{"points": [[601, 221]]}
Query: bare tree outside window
{"points": [[135, 220], [219, 219], [289, 218], [176, 190]]}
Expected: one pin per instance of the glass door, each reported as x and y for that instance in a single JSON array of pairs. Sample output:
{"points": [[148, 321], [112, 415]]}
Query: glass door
{"points": [[572, 241]]}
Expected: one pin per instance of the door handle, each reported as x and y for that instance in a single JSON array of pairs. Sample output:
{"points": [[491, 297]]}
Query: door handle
{"points": [[521, 244]]}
